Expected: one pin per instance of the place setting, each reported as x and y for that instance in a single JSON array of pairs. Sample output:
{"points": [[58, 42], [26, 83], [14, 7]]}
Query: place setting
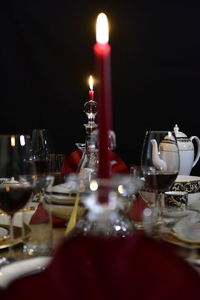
{"points": [[52, 204]]}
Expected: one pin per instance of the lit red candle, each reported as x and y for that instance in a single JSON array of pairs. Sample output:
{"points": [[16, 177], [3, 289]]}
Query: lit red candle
{"points": [[91, 91], [102, 52]]}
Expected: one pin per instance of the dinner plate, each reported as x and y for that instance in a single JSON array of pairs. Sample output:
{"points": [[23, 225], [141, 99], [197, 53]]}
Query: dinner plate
{"points": [[24, 267], [188, 228], [5, 241], [64, 211]]}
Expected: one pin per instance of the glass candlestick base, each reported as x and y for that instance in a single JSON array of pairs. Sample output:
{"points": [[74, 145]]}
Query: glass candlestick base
{"points": [[103, 219], [105, 203]]}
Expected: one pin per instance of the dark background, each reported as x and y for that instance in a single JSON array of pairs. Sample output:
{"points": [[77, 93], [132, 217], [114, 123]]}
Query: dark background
{"points": [[46, 57]]}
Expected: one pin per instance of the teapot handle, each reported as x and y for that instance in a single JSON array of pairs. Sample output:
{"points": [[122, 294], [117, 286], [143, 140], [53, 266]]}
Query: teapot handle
{"points": [[198, 149]]}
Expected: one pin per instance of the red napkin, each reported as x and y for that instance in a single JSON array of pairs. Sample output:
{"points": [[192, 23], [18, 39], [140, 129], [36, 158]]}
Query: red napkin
{"points": [[40, 215], [136, 267], [136, 210], [72, 161]]}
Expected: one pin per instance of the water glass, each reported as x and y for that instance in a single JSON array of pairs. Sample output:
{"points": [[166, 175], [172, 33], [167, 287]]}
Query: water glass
{"points": [[39, 240]]}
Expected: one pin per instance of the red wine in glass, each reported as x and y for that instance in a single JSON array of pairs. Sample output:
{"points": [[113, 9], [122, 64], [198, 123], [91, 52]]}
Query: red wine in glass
{"points": [[14, 197], [42, 166], [160, 181]]}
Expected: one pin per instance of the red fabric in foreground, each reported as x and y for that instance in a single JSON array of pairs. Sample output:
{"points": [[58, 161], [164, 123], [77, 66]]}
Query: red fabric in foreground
{"points": [[72, 161], [136, 267]]}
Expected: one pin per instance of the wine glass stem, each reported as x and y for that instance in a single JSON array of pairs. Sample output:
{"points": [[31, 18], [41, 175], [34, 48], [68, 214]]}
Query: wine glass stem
{"points": [[10, 251], [158, 205]]}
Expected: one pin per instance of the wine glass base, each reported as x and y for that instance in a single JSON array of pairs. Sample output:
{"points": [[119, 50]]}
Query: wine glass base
{"points": [[4, 261], [138, 225]]}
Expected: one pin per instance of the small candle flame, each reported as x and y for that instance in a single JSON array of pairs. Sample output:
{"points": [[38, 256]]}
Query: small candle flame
{"points": [[22, 140], [102, 29], [12, 141], [91, 82]]}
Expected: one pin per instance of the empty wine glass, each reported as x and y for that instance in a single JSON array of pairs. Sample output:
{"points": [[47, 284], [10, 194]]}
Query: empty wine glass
{"points": [[40, 149], [39, 153], [19, 178], [56, 165], [160, 165]]}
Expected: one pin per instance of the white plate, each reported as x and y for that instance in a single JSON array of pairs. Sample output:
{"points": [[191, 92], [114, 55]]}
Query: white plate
{"points": [[188, 228], [176, 213], [64, 211], [20, 268]]}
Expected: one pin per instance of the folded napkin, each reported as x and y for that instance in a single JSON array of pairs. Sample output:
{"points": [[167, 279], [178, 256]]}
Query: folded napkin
{"points": [[40, 215], [135, 267], [72, 161], [137, 206]]}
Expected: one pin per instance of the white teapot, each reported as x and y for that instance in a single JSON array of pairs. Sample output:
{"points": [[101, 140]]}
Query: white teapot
{"points": [[188, 159], [165, 155]]}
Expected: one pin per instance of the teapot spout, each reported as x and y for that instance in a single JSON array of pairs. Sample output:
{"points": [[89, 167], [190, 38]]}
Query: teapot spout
{"points": [[159, 163]]}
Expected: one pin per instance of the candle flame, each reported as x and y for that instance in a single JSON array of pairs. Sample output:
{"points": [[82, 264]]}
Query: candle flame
{"points": [[91, 82], [102, 29], [22, 140], [12, 141]]}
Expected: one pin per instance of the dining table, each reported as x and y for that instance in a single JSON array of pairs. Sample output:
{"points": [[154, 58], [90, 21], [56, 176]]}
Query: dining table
{"points": [[98, 268], [187, 251]]}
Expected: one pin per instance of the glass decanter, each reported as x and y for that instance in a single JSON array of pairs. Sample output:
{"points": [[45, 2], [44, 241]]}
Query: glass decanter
{"points": [[88, 164]]}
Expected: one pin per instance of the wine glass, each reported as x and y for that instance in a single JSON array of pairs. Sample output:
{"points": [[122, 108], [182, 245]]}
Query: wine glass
{"points": [[160, 166], [39, 153], [18, 174], [40, 150]]}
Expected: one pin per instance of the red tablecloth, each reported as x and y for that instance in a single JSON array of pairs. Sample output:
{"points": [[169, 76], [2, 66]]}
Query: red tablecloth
{"points": [[136, 267]]}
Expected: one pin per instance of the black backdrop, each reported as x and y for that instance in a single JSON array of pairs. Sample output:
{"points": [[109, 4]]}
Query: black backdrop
{"points": [[46, 57]]}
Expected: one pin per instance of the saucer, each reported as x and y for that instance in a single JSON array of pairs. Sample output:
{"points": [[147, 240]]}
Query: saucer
{"points": [[182, 232], [5, 241]]}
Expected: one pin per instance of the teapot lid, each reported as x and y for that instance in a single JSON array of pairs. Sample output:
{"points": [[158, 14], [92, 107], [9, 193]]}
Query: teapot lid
{"points": [[178, 133], [169, 136]]}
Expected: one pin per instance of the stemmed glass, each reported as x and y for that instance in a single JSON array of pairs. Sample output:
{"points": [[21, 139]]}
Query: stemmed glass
{"points": [[40, 149], [18, 178], [160, 166], [39, 153]]}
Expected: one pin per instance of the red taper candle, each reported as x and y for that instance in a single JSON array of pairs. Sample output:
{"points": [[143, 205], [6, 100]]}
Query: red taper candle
{"points": [[91, 92], [102, 52]]}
